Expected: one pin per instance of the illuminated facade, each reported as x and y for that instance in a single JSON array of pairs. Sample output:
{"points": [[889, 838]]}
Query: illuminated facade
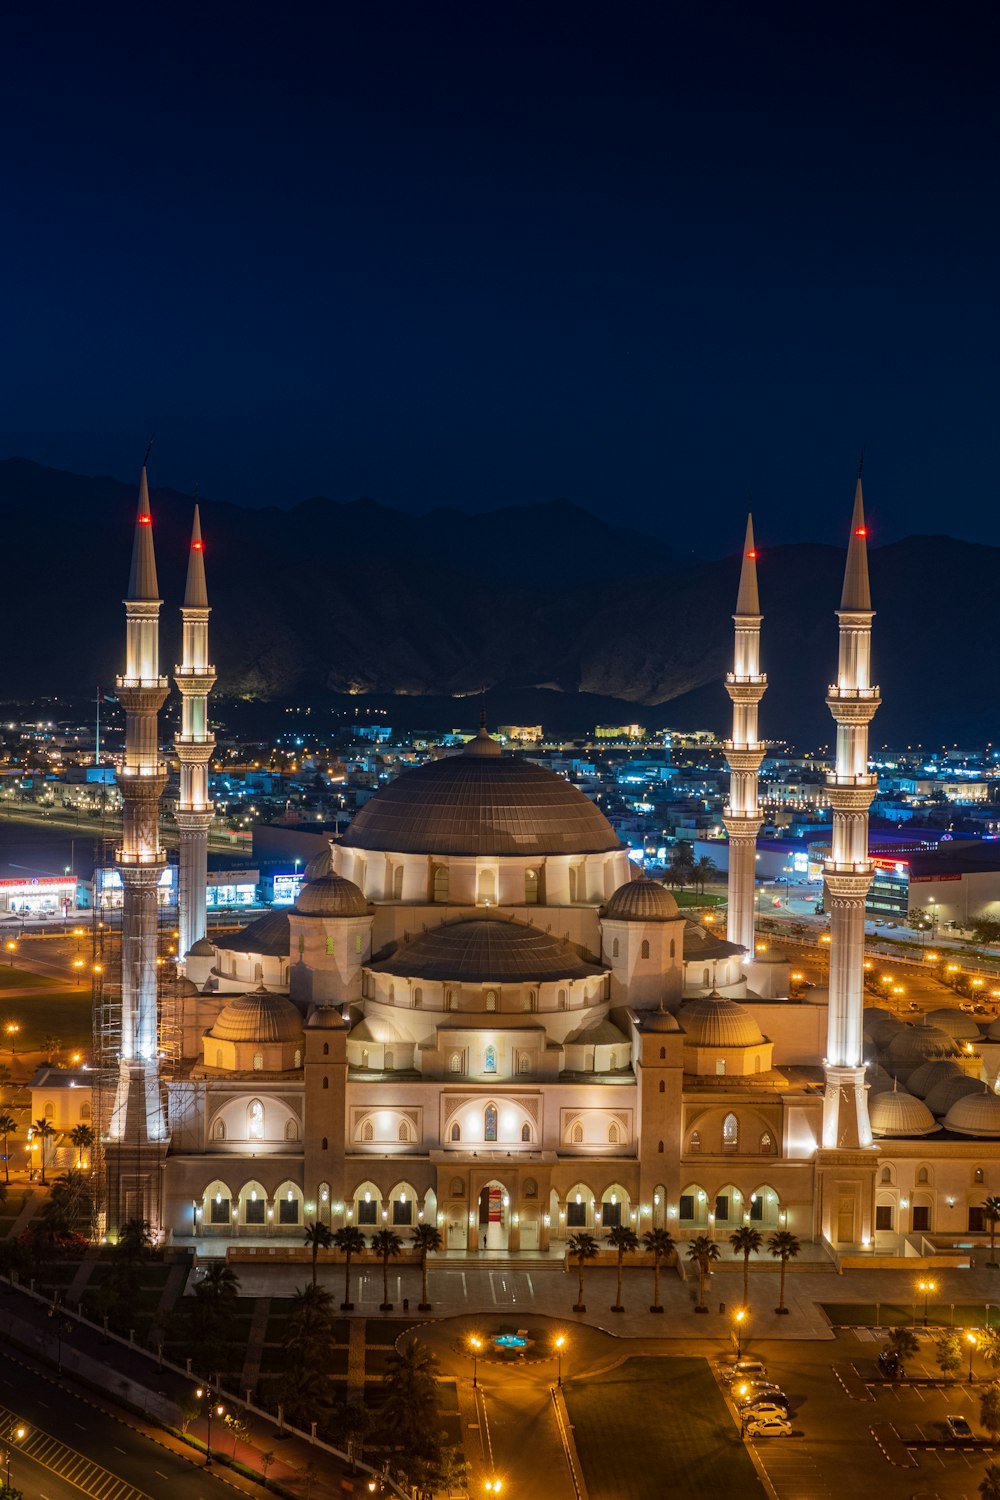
{"points": [[195, 678]]}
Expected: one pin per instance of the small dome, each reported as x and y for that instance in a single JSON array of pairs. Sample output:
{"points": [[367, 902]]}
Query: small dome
{"points": [[993, 1034], [201, 949], [660, 1020], [331, 896], [260, 1017], [923, 1079], [955, 1023], [975, 1114], [914, 1044], [894, 1114], [948, 1092], [641, 900], [879, 1026], [715, 1022], [879, 1080], [483, 949]]}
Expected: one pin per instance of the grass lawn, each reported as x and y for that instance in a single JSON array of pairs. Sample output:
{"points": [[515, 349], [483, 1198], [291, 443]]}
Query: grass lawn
{"points": [[900, 1314], [22, 979], [61, 1013], [658, 1426], [692, 898]]}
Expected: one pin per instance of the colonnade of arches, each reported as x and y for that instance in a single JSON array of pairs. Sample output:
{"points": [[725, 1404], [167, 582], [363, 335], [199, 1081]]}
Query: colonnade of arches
{"points": [[725, 1208]]}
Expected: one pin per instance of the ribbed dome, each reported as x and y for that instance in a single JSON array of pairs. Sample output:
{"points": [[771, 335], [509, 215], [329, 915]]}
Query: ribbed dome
{"points": [[879, 1080], [993, 1034], [268, 935], [485, 949], [481, 802], [260, 1017], [641, 900], [895, 1114], [955, 1023], [716, 1022], [201, 949], [326, 894], [879, 1025], [660, 1020], [913, 1044], [975, 1114], [948, 1092], [923, 1079]]}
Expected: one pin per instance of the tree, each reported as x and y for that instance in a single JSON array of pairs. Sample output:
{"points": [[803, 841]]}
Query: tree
{"points": [[71, 1204], [681, 867], [902, 1342], [989, 1485], [581, 1247], [50, 1045], [44, 1128], [135, 1241], [746, 1241], [659, 1243], [211, 1316], [989, 1409], [989, 1346], [8, 1126], [991, 1213], [388, 1245], [318, 1237], [426, 1241], [625, 1241], [83, 1139], [310, 1323], [411, 1417], [783, 1246], [948, 1351], [349, 1241], [704, 872], [703, 1252]]}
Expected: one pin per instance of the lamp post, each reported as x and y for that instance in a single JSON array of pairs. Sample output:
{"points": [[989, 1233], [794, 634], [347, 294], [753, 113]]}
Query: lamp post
{"points": [[12, 1028], [926, 1287], [11, 949], [739, 1317], [15, 1434], [215, 1408], [972, 1341], [560, 1346], [475, 1344], [494, 1486]]}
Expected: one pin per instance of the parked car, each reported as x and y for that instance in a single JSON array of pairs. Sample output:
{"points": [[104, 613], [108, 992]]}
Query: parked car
{"points": [[958, 1427], [770, 1400], [746, 1369], [745, 1391], [891, 1365], [769, 1426]]}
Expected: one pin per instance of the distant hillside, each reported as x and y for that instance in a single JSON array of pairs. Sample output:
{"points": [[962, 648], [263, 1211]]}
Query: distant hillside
{"points": [[327, 597]]}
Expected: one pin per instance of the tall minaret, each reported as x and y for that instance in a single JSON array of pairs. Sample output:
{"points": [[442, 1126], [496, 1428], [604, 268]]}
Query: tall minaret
{"points": [[746, 685], [852, 701], [195, 678], [138, 1113]]}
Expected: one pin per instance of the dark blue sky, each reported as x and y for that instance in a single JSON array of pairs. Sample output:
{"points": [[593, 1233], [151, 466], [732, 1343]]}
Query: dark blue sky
{"points": [[647, 258]]}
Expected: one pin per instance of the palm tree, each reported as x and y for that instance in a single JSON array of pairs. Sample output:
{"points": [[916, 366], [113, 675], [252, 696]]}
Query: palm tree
{"points": [[989, 1485], [784, 1246], [582, 1247], [50, 1044], [903, 1343], [320, 1237], [426, 1241], [703, 1251], [746, 1242], [8, 1126], [46, 1130], [83, 1139], [625, 1241], [386, 1244], [349, 1241], [135, 1240], [705, 871], [220, 1282], [659, 1243], [991, 1213]]}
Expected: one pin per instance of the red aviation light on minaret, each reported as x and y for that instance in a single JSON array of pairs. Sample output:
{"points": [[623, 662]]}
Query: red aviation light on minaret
{"points": [[861, 531], [752, 554], [197, 546], [145, 520]]}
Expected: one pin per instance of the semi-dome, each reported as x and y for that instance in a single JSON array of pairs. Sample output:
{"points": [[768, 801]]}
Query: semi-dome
{"points": [[955, 1023], [481, 802], [993, 1034], [975, 1114], [892, 1113], [268, 936], [879, 1079], [923, 1079], [641, 900], [484, 950], [201, 949], [331, 896], [914, 1044], [259, 1017], [948, 1092], [712, 1021]]}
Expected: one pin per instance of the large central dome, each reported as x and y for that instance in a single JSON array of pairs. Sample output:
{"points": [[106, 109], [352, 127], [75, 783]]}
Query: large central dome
{"points": [[481, 802]]}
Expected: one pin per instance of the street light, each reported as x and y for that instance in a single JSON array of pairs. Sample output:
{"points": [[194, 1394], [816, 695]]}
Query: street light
{"points": [[15, 1434], [215, 1408], [12, 1028], [475, 1344], [11, 949], [926, 1287], [972, 1342], [494, 1486], [560, 1346], [739, 1317]]}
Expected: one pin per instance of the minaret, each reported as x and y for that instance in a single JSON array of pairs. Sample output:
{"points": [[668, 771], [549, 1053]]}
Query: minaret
{"points": [[852, 701], [138, 1114], [195, 678], [746, 685]]}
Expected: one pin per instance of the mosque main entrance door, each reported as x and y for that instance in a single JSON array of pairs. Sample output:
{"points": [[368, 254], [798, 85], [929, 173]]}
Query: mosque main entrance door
{"points": [[494, 1217]]}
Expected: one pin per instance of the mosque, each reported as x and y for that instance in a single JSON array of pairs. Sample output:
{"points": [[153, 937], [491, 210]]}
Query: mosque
{"points": [[478, 1014]]}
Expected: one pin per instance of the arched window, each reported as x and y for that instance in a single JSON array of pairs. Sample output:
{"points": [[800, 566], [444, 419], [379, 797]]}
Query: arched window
{"points": [[456, 1132], [392, 993], [730, 1133], [255, 1120], [660, 1148], [663, 1086], [84, 1111], [524, 1063], [457, 1187], [766, 1143], [673, 948], [404, 1132], [613, 1135], [663, 1053], [644, 950], [297, 1060], [368, 1131], [531, 887], [258, 1062], [577, 1136], [302, 949], [614, 948], [218, 1057], [694, 1144], [720, 1067], [562, 999], [390, 1061], [329, 947], [326, 1049], [397, 883], [326, 1082], [325, 1146], [440, 883], [220, 1130], [526, 1132], [491, 999], [456, 1062], [291, 1130], [490, 1060], [922, 1175], [490, 1123], [450, 999], [418, 998], [364, 1058], [258, 973], [487, 887], [530, 1188], [977, 1175], [886, 1174]]}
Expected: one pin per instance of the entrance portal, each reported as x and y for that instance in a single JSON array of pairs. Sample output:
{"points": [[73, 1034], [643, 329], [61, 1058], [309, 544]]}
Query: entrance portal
{"points": [[494, 1217]]}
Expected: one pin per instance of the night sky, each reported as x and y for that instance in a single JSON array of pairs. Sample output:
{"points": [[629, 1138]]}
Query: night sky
{"points": [[648, 259]]}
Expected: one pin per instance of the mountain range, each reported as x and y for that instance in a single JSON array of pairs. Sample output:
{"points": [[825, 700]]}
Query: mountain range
{"points": [[330, 598]]}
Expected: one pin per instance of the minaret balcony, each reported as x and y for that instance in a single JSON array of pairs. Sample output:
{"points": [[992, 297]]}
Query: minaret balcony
{"points": [[147, 858], [195, 674], [158, 768], [124, 684], [852, 694], [849, 867], [736, 679], [836, 778]]}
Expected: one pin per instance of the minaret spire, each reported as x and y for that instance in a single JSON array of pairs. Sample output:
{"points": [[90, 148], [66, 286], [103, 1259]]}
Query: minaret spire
{"points": [[746, 685], [195, 678], [853, 701]]}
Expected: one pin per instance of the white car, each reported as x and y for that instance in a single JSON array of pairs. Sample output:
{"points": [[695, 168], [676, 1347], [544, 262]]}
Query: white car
{"points": [[768, 1426], [742, 1369]]}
